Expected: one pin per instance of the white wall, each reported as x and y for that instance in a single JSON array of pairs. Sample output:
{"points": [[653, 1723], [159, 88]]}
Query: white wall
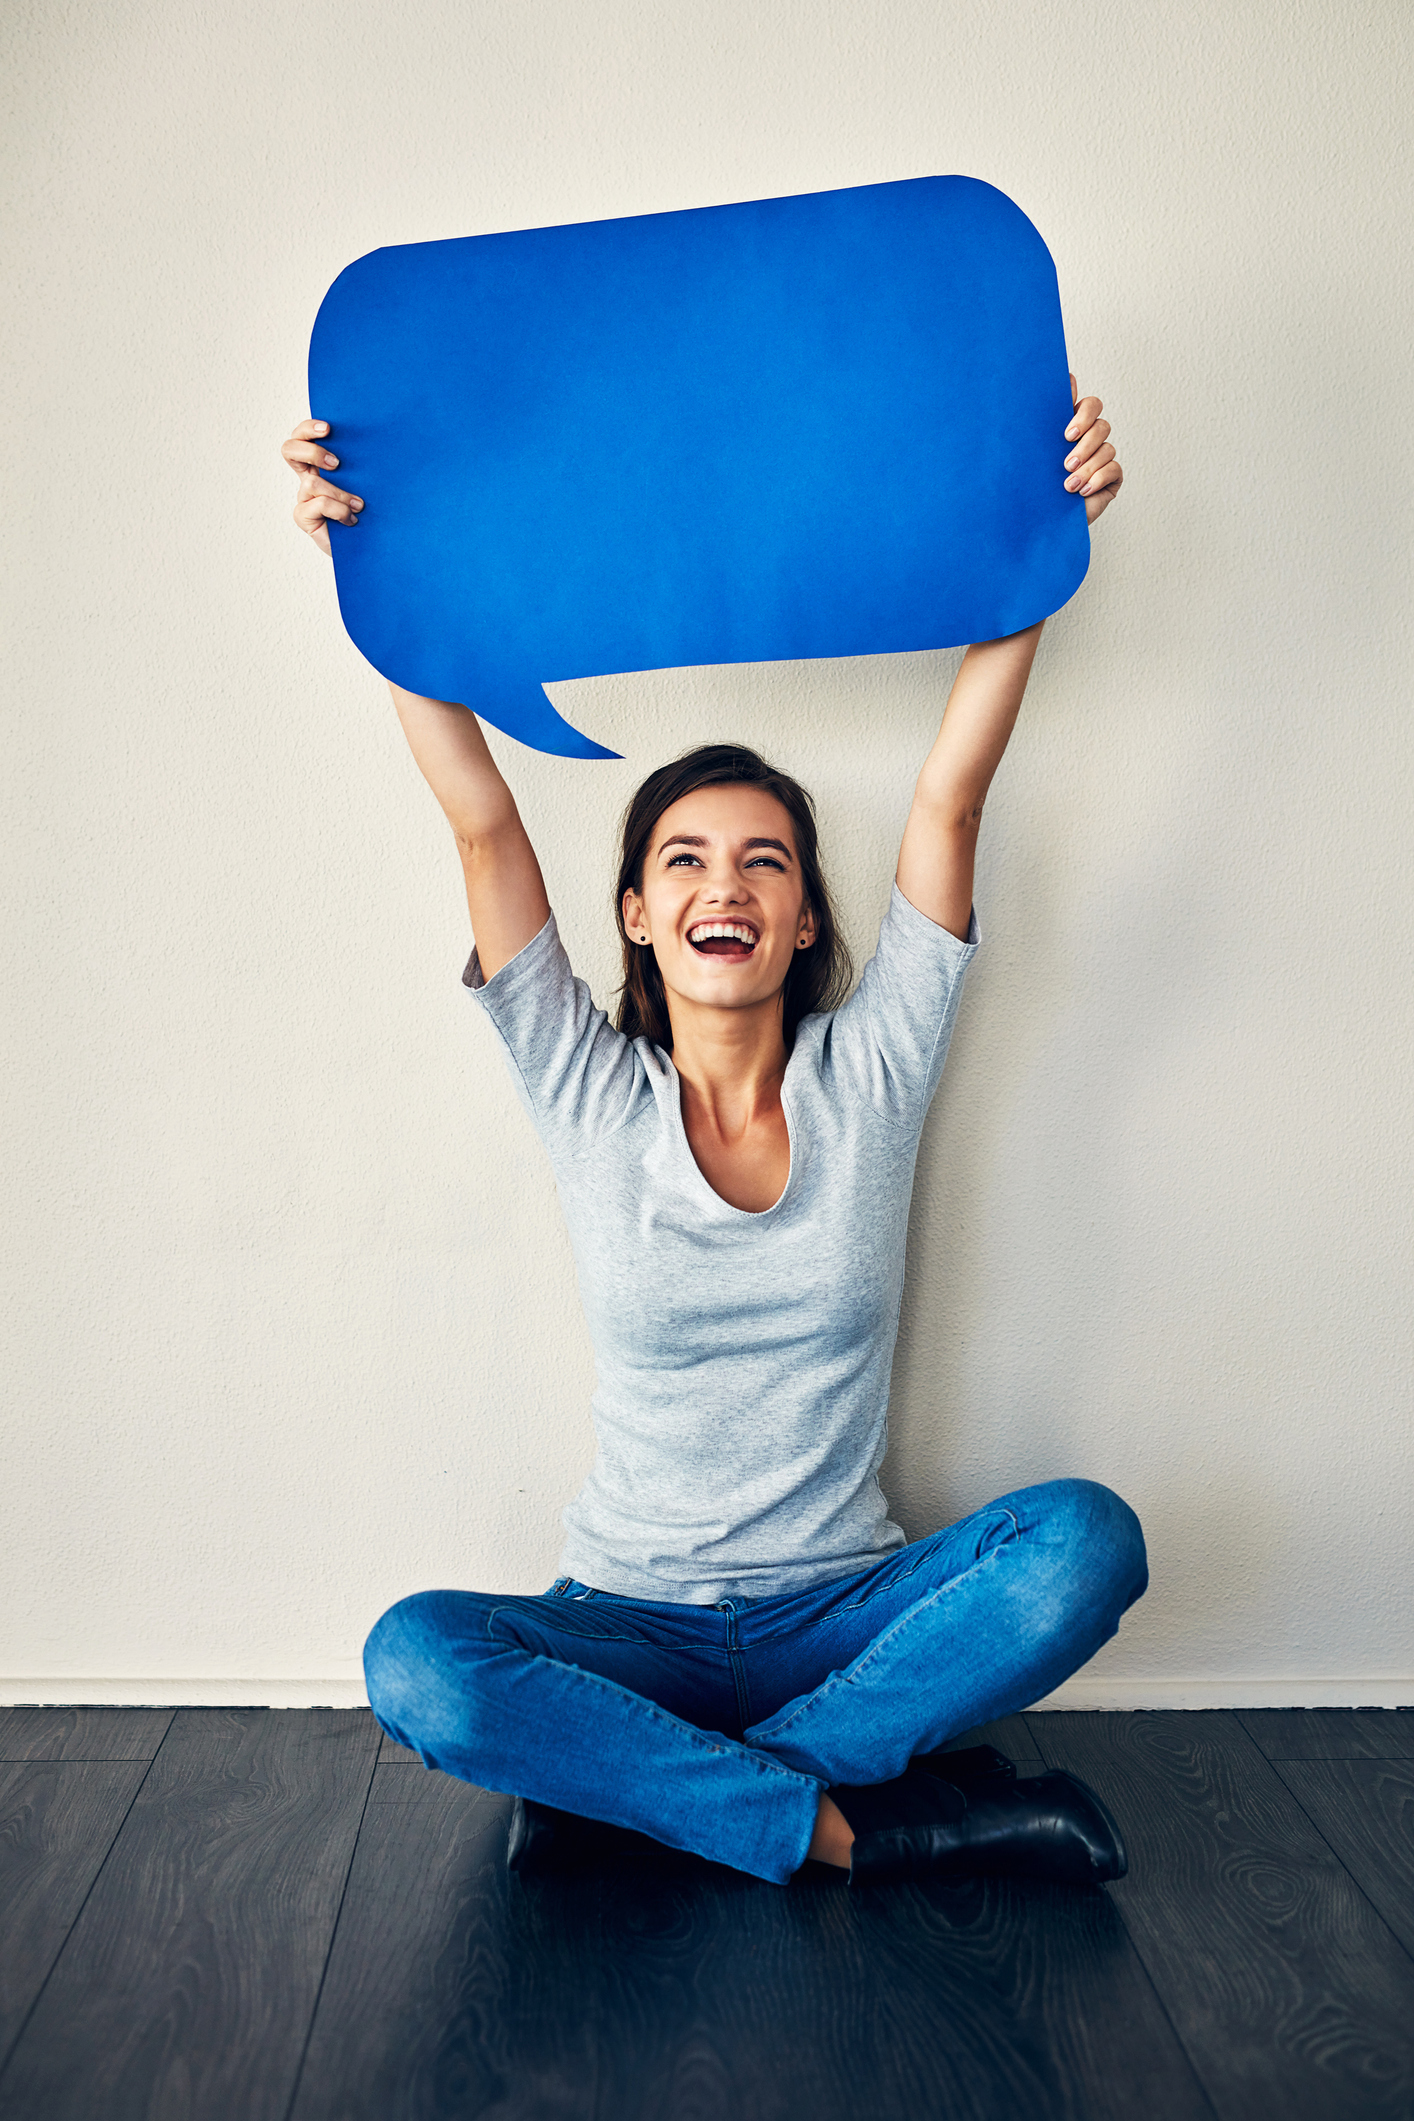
{"points": [[294, 1328]]}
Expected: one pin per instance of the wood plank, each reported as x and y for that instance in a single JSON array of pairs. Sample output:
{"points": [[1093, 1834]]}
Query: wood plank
{"points": [[414, 1958], [58, 1819], [1330, 1734], [1365, 1809], [188, 1981], [82, 1734], [1290, 1995], [396, 1755], [673, 1987]]}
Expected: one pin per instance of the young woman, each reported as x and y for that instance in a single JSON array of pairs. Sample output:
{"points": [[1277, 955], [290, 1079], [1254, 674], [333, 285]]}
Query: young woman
{"points": [[742, 1656]]}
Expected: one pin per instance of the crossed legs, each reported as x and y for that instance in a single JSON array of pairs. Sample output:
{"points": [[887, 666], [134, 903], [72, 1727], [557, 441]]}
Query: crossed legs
{"points": [[719, 1729]]}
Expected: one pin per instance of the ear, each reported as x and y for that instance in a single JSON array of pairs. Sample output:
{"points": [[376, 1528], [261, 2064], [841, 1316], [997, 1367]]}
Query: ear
{"points": [[634, 920], [805, 934]]}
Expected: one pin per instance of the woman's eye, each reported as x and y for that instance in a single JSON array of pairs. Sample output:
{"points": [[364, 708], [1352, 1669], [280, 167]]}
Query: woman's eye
{"points": [[767, 861], [675, 859]]}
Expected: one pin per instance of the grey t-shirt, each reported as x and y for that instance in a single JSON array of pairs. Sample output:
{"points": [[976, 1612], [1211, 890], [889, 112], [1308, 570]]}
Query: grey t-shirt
{"points": [[742, 1358]]}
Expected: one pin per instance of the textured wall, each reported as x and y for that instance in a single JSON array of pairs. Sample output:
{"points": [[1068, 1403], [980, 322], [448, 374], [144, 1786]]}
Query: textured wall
{"points": [[294, 1327]]}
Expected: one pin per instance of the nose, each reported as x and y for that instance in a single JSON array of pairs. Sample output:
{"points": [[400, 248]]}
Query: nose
{"points": [[722, 886]]}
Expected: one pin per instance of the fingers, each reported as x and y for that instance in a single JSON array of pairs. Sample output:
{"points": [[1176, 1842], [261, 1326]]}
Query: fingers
{"points": [[1089, 457], [1092, 468], [305, 446], [319, 503], [1087, 411], [1089, 441], [297, 454], [311, 483], [1088, 467], [1102, 490], [1095, 474], [320, 509]]}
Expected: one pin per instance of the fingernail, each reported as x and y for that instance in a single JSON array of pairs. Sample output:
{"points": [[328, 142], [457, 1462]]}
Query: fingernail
{"points": [[1070, 461], [1072, 432], [1070, 485], [331, 462]]}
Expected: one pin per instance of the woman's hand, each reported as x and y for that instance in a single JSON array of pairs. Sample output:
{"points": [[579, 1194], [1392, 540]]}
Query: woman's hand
{"points": [[307, 453], [1092, 467]]}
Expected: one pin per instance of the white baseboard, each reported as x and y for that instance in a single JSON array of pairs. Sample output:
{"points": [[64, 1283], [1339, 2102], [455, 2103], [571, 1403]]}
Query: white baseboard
{"points": [[1370, 1693], [184, 1693], [1078, 1693]]}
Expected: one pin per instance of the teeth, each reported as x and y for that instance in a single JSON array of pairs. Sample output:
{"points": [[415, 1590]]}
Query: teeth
{"points": [[707, 931]]}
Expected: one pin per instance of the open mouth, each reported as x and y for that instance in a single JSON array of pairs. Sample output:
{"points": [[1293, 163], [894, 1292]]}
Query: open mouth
{"points": [[733, 940]]}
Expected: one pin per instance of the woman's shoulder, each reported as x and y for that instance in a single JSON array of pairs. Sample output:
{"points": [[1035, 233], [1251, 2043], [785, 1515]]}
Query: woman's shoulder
{"points": [[904, 929], [543, 955], [575, 1072], [909, 945], [886, 1043]]}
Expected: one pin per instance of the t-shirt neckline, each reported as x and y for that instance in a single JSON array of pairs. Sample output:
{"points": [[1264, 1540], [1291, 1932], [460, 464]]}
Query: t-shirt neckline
{"points": [[750, 1215]]}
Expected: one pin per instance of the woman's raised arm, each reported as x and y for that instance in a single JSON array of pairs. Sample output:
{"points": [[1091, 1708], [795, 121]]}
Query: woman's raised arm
{"points": [[939, 851], [505, 891]]}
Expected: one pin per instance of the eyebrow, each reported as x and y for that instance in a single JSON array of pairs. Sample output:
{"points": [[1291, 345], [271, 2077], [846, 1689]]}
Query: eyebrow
{"points": [[695, 839]]}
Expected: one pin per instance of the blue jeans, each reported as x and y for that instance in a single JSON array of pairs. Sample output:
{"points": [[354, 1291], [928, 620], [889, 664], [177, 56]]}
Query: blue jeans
{"points": [[715, 1728]]}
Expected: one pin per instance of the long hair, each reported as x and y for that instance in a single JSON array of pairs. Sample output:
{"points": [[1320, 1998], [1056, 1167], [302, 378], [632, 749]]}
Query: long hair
{"points": [[819, 978]]}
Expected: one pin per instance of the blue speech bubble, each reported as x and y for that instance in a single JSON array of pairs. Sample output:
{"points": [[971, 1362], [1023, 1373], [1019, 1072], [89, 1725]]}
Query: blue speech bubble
{"points": [[827, 425]]}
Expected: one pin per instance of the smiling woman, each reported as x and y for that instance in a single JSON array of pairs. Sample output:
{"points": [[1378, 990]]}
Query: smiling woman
{"points": [[743, 1657]]}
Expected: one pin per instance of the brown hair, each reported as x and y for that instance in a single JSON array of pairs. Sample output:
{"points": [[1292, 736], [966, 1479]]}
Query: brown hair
{"points": [[819, 978]]}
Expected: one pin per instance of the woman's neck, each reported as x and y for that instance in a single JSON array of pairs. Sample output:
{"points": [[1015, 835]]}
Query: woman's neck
{"points": [[731, 1062]]}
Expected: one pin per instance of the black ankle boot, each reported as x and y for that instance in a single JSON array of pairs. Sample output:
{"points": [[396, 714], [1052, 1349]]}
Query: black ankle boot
{"points": [[952, 1815], [541, 1840], [537, 1840], [968, 1767]]}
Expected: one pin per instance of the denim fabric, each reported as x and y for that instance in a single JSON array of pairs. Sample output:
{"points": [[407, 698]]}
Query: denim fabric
{"points": [[715, 1728]]}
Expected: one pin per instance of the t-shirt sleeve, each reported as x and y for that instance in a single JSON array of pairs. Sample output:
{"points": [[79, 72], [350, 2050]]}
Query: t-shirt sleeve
{"points": [[574, 1073], [891, 1037]]}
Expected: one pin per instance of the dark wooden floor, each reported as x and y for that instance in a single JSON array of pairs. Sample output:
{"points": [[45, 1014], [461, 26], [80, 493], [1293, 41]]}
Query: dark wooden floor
{"points": [[257, 1915]]}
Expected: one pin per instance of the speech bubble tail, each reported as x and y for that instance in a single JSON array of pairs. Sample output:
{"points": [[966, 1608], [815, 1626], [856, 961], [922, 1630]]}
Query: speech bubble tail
{"points": [[532, 720]]}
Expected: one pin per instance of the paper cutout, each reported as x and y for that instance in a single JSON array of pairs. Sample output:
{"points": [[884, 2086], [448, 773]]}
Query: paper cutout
{"points": [[826, 425]]}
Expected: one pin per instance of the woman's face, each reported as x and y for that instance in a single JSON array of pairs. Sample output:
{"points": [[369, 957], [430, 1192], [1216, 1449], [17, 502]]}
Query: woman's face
{"points": [[722, 903]]}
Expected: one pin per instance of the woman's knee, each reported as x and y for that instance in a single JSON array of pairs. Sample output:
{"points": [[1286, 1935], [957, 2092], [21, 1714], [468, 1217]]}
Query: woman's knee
{"points": [[405, 1665], [1104, 1537]]}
